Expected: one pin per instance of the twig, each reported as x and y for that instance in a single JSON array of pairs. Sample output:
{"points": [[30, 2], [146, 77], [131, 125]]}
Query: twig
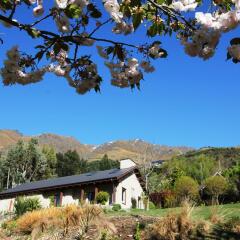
{"points": [[98, 27], [171, 12], [40, 20]]}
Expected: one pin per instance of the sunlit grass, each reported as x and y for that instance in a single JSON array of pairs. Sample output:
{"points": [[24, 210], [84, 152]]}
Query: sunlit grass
{"points": [[201, 212]]}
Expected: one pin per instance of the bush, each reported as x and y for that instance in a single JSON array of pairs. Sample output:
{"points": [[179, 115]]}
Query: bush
{"points": [[23, 205], [134, 203], [9, 226], [186, 188], [102, 197], [151, 205], [216, 186], [116, 207]]}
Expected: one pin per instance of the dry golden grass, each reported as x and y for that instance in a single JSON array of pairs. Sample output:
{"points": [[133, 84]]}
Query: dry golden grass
{"points": [[177, 226], [39, 219], [217, 215], [72, 216]]}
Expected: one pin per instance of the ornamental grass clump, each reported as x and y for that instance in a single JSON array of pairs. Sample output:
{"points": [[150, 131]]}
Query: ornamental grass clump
{"points": [[176, 226], [79, 218], [39, 219]]}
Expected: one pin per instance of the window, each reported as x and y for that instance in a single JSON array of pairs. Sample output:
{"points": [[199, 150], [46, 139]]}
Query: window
{"points": [[124, 194], [90, 196]]}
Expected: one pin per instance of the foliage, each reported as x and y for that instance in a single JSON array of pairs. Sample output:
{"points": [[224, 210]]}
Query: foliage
{"points": [[186, 188], [199, 165], [163, 199], [137, 234], [9, 225], [51, 160], [52, 200], [103, 164], [134, 203], [69, 163], [151, 205], [116, 207], [23, 162], [215, 186], [102, 197], [23, 205], [61, 35]]}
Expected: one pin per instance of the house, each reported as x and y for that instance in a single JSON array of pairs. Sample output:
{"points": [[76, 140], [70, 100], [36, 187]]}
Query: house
{"points": [[157, 163], [122, 184]]}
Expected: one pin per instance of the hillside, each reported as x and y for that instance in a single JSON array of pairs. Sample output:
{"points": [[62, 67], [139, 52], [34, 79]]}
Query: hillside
{"points": [[226, 156], [138, 150]]}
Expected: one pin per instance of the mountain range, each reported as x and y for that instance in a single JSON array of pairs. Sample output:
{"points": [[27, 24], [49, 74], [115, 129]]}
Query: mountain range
{"points": [[137, 149]]}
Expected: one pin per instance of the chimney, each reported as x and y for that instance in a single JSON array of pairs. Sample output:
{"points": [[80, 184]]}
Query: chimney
{"points": [[127, 163]]}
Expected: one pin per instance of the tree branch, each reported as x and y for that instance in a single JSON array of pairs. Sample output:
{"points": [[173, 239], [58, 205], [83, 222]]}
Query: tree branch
{"points": [[171, 12]]}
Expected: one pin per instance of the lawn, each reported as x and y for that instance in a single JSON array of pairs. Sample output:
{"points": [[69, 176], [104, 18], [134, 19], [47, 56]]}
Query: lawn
{"points": [[202, 212]]}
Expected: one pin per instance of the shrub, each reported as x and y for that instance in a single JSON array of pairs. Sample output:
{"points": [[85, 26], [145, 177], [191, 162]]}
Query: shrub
{"points": [[134, 203], [151, 205], [216, 186], [102, 197], [9, 226], [52, 201], [116, 207], [186, 188], [137, 235], [23, 205]]}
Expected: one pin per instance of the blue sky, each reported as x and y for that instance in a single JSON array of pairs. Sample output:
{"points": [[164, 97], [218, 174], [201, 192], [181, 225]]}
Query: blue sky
{"points": [[187, 101]]}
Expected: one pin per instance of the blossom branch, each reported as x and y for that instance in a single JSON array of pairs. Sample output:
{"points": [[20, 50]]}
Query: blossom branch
{"points": [[171, 13]]}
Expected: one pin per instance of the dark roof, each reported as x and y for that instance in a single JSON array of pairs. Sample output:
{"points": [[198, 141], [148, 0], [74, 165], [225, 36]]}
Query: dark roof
{"points": [[91, 177], [158, 161]]}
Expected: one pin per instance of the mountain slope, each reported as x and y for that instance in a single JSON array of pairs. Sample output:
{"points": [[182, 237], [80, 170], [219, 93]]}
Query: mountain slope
{"points": [[137, 150]]}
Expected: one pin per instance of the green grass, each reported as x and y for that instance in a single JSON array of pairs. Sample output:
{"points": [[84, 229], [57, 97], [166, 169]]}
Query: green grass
{"points": [[202, 212]]}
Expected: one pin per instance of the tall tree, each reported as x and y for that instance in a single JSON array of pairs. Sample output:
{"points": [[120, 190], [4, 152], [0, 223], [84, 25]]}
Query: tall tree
{"points": [[23, 163], [51, 161], [69, 163], [216, 186]]}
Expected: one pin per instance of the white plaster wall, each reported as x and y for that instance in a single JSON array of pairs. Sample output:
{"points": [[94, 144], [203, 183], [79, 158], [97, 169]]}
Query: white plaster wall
{"points": [[127, 163], [68, 199], [133, 189], [44, 200], [5, 204]]}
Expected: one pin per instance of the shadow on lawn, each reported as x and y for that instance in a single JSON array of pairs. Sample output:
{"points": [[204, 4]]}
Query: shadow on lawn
{"points": [[218, 234]]}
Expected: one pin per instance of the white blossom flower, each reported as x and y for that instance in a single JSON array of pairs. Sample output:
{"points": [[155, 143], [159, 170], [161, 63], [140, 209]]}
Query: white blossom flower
{"points": [[202, 44], [61, 3], [222, 22], [124, 28], [185, 5], [113, 9], [38, 11], [62, 23], [237, 3]]}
